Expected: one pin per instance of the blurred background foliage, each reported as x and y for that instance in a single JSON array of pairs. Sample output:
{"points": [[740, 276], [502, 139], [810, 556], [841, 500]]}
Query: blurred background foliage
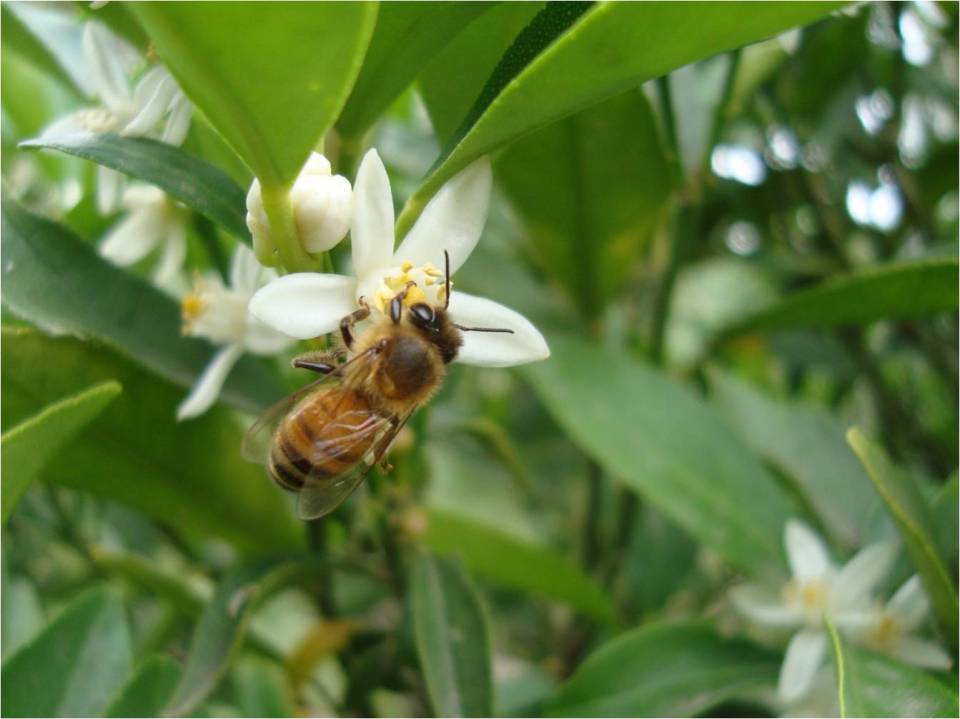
{"points": [[736, 224]]}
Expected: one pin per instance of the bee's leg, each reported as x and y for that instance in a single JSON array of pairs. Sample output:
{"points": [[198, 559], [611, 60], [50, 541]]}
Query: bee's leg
{"points": [[350, 320], [322, 362]]}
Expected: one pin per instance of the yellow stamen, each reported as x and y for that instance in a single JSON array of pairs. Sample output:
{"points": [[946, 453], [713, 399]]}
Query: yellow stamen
{"points": [[406, 266]]}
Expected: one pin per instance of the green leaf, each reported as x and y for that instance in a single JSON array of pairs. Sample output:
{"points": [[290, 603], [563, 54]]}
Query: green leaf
{"points": [[21, 611], [196, 183], [224, 622], [609, 49], [58, 282], [877, 686], [262, 688], [452, 639], [148, 690], [590, 190], [189, 476], [74, 665], [808, 445], [945, 520], [663, 442], [406, 37], [504, 559], [897, 290], [270, 82], [664, 670], [906, 505], [34, 443]]}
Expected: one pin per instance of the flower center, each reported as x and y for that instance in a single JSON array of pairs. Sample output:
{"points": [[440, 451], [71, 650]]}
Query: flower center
{"points": [[428, 285], [884, 633], [99, 119], [214, 311], [810, 597]]}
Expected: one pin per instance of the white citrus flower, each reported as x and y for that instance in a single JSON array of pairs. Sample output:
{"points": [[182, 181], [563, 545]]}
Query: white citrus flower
{"points": [[322, 206], [817, 590], [153, 219], [889, 628], [309, 304], [220, 314], [155, 107]]}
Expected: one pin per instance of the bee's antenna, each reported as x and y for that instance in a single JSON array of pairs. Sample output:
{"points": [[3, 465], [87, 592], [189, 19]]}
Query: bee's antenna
{"points": [[446, 279], [481, 329]]}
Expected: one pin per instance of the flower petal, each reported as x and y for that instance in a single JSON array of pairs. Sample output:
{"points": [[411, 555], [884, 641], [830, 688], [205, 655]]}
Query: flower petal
{"points": [[131, 239], [305, 304], [921, 653], [112, 86], [178, 122], [861, 575], [244, 270], [109, 190], [806, 553], [207, 387], [371, 230], [173, 255], [151, 98], [453, 220], [764, 608], [495, 349], [910, 604], [804, 655]]}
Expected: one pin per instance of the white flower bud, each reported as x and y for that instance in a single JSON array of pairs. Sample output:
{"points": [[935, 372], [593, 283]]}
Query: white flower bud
{"points": [[322, 207]]}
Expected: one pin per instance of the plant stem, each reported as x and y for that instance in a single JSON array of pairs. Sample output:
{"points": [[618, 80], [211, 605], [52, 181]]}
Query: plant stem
{"points": [[317, 541], [686, 223], [283, 230]]}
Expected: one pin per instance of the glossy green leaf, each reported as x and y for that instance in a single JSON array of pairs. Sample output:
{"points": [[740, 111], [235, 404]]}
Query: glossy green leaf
{"points": [[74, 666], [898, 290], [590, 190], [452, 639], [610, 48], [188, 475], [911, 514], [502, 558], [58, 282], [148, 690], [196, 183], [30, 446], [675, 670], [406, 37], [224, 622], [808, 445], [271, 79], [663, 442], [877, 686]]}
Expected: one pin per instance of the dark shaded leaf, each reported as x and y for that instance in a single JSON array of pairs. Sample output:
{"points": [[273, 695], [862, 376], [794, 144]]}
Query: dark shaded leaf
{"points": [[194, 182], [894, 291], [58, 282], [189, 476]]}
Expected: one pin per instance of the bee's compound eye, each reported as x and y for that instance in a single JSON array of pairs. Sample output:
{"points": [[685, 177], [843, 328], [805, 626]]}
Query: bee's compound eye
{"points": [[423, 314]]}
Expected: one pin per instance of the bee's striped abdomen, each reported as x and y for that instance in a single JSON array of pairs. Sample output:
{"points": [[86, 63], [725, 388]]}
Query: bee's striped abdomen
{"points": [[327, 435]]}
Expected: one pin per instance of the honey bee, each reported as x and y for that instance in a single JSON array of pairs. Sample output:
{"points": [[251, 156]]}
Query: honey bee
{"points": [[323, 439]]}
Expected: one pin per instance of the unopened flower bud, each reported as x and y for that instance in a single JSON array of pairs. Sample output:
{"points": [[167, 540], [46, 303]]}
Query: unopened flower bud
{"points": [[322, 206]]}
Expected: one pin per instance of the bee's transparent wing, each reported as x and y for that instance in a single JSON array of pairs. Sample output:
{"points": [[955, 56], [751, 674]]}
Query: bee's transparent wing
{"points": [[321, 496], [257, 440]]}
